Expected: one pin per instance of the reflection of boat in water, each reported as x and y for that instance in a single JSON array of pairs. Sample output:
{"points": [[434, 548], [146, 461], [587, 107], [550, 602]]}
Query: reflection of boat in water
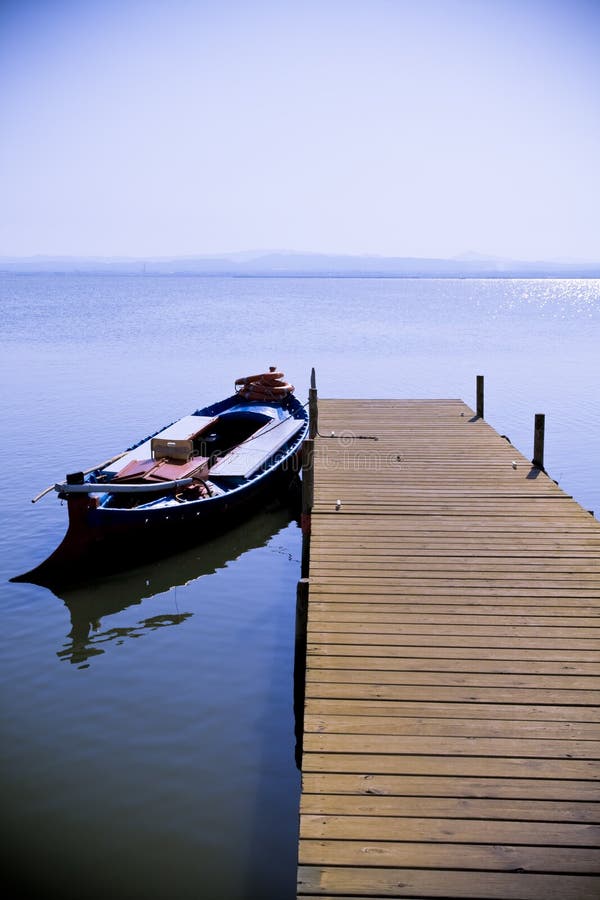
{"points": [[199, 475], [107, 596]]}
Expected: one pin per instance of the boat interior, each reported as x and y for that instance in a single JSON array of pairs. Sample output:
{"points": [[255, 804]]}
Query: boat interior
{"points": [[218, 453]]}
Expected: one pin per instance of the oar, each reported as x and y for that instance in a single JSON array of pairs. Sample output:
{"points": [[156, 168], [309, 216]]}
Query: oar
{"points": [[148, 487], [87, 472]]}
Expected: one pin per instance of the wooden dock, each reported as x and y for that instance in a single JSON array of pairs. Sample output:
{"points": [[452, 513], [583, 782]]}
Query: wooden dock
{"points": [[451, 726]]}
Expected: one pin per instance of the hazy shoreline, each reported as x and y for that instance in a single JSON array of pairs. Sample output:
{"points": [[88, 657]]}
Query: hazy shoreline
{"points": [[298, 265]]}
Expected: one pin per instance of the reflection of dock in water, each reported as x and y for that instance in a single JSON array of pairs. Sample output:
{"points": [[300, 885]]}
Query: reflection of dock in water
{"points": [[109, 595]]}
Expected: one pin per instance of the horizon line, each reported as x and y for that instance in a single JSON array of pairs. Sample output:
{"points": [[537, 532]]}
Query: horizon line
{"points": [[248, 257]]}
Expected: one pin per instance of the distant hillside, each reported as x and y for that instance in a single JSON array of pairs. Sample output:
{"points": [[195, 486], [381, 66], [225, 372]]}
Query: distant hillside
{"points": [[286, 264]]}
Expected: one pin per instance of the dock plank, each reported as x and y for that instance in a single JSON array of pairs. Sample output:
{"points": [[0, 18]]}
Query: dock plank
{"points": [[355, 883]]}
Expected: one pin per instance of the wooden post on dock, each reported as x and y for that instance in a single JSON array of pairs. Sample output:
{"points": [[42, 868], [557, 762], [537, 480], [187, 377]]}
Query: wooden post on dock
{"points": [[301, 609], [480, 396], [308, 482], [308, 489], [313, 414], [538, 440], [300, 666]]}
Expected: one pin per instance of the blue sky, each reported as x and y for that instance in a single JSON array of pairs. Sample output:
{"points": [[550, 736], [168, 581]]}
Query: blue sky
{"points": [[387, 127]]}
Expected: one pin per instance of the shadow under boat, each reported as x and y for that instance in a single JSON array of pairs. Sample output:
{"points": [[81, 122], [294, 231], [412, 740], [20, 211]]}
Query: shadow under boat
{"points": [[110, 594]]}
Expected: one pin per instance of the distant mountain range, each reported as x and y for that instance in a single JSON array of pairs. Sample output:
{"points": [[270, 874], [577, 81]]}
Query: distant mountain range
{"points": [[289, 264]]}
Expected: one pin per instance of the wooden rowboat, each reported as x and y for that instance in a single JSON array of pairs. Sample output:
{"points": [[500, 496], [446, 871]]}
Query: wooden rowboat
{"points": [[192, 479]]}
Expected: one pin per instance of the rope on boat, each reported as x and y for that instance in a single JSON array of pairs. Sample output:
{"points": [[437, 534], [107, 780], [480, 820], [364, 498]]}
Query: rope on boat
{"points": [[268, 386]]}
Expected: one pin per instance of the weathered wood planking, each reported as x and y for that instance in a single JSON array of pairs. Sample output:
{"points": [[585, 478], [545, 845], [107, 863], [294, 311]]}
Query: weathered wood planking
{"points": [[451, 728]]}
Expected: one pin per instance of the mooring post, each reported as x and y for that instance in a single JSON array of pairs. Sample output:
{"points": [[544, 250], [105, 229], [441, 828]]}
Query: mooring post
{"points": [[300, 666], [538, 440], [308, 489], [313, 413], [301, 609], [480, 396]]}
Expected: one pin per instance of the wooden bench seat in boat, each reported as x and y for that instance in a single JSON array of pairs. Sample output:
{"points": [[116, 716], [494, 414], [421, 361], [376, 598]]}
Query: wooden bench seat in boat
{"points": [[162, 470], [245, 459], [185, 429]]}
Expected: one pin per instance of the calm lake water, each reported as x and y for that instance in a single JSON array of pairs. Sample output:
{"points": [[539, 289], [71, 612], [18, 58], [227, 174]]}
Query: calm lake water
{"points": [[148, 728]]}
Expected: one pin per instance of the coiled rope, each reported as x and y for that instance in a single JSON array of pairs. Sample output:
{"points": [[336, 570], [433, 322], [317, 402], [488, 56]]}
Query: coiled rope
{"points": [[269, 386]]}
